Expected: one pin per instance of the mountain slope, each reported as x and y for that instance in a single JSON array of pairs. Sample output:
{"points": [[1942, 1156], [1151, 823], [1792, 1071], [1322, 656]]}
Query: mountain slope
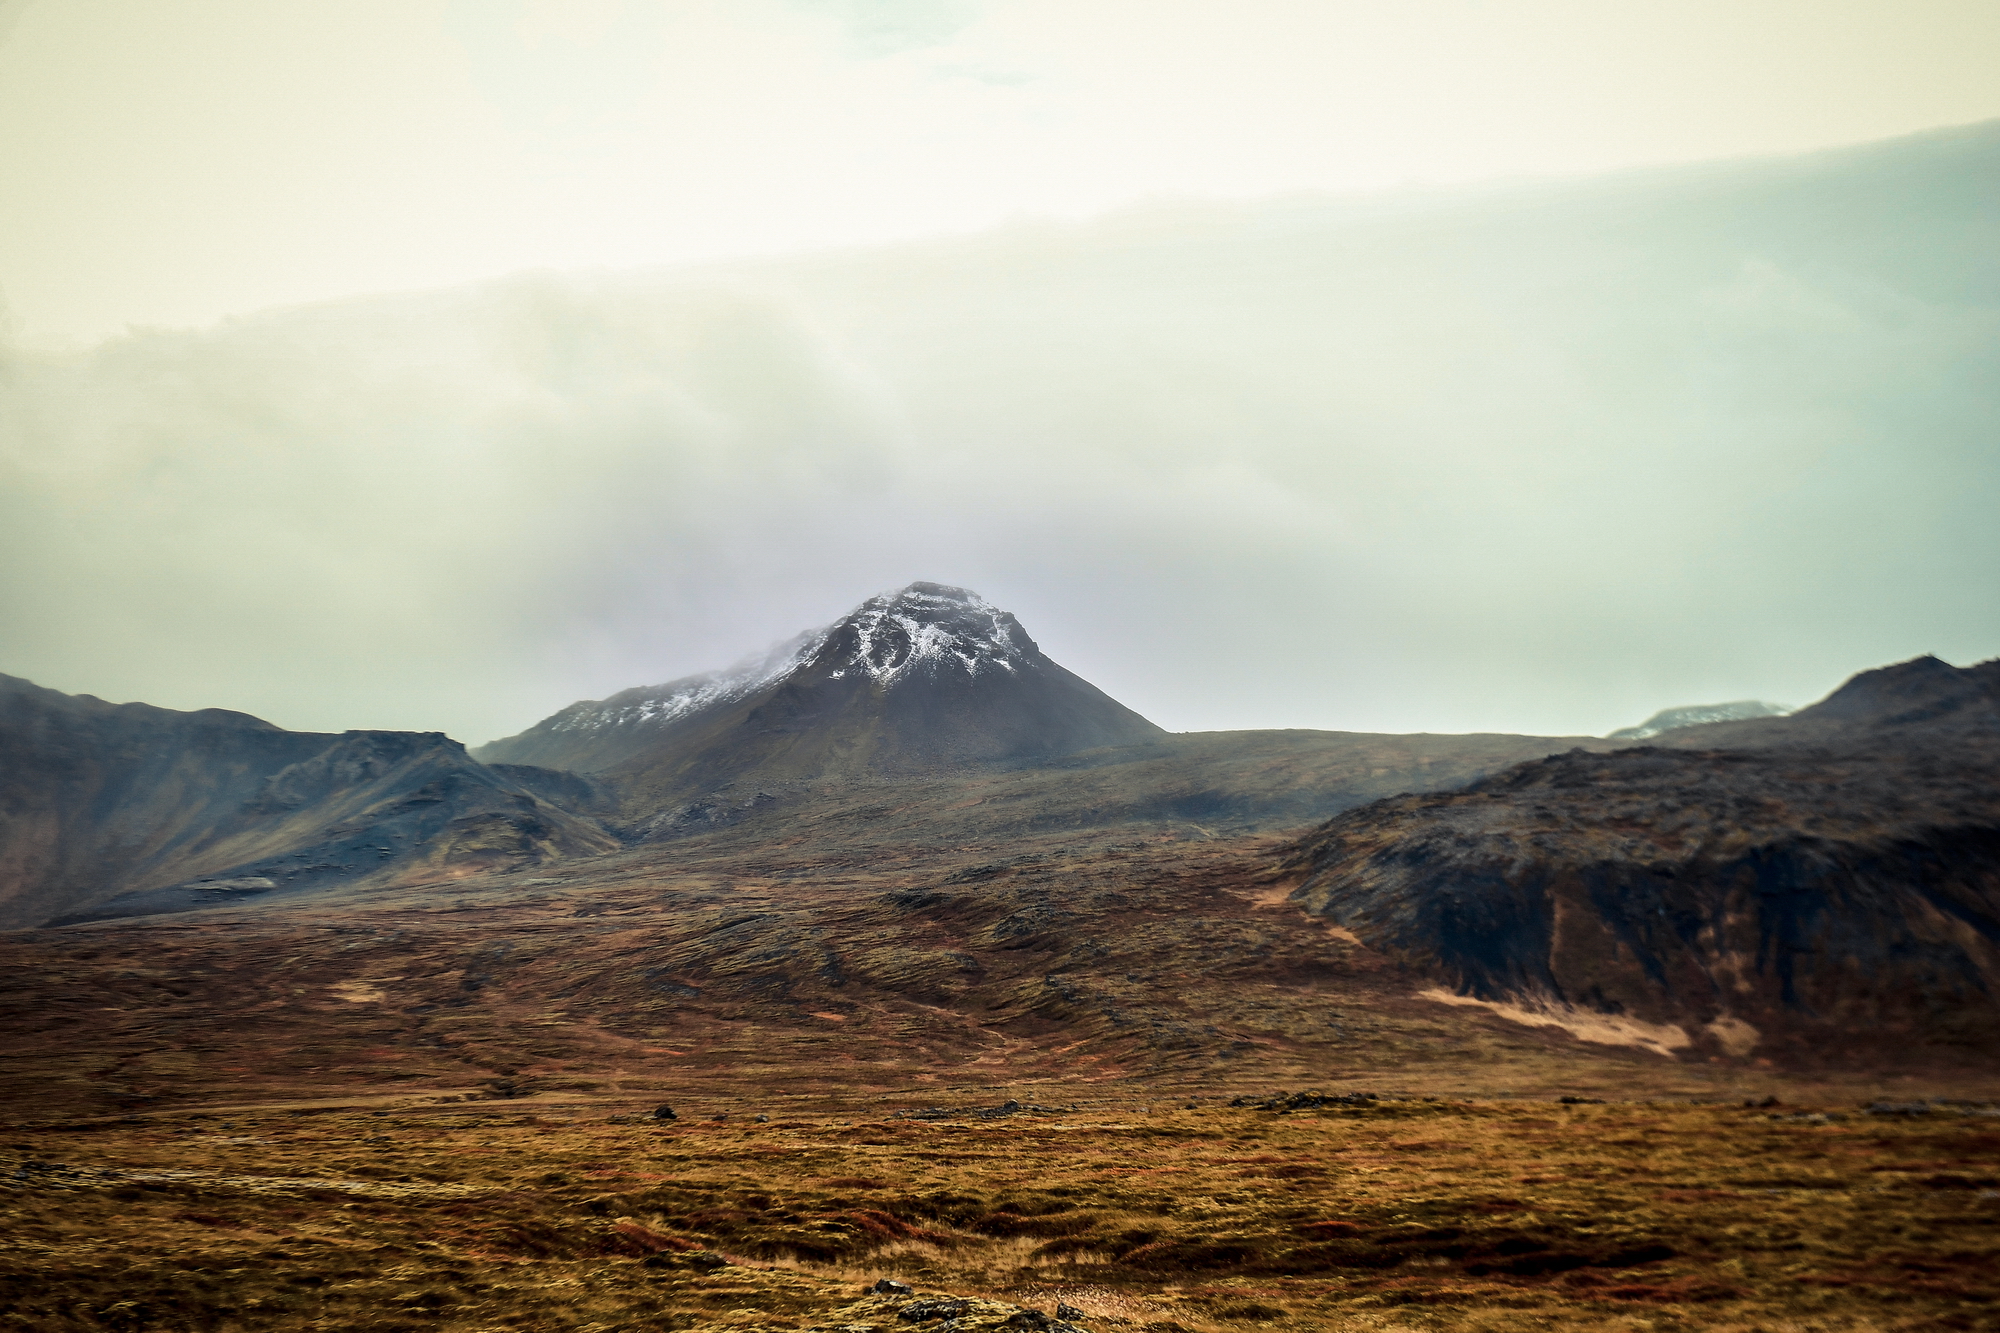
{"points": [[928, 678], [121, 809], [1753, 885]]}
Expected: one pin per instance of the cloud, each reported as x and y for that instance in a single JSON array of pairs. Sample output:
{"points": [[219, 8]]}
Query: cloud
{"points": [[885, 27], [1533, 459], [10, 17]]}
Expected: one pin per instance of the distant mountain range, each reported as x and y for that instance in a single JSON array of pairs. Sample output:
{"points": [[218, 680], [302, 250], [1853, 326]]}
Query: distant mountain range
{"points": [[925, 676], [928, 678]]}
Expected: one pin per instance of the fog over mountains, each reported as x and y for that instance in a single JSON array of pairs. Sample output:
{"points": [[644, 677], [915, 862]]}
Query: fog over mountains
{"points": [[1529, 457]]}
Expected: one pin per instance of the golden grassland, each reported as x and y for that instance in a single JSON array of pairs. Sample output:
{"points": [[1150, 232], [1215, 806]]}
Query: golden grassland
{"points": [[1417, 1213]]}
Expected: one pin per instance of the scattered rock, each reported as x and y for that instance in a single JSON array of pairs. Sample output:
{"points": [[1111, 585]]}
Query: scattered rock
{"points": [[1586, 1101], [962, 1315], [706, 1260], [921, 1312], [1304, 1101], [664, 1113], [1000, 1112], [1066, 1311], [888, 1286]]}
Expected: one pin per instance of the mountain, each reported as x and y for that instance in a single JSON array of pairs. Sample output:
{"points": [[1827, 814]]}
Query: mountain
{"points": [[1910, 700], [1827, 881], [1923, 689], [126, 809], [928, 705], [1695, 715], [926, 679]]}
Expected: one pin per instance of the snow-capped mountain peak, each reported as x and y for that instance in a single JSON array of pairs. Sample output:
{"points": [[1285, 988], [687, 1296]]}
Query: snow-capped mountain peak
{"points": [[924, 628], [925, 675]]}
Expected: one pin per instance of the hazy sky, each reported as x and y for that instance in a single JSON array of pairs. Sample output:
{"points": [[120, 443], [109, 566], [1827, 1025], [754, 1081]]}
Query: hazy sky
{"points": [[168, 162], [1515, 456]]}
